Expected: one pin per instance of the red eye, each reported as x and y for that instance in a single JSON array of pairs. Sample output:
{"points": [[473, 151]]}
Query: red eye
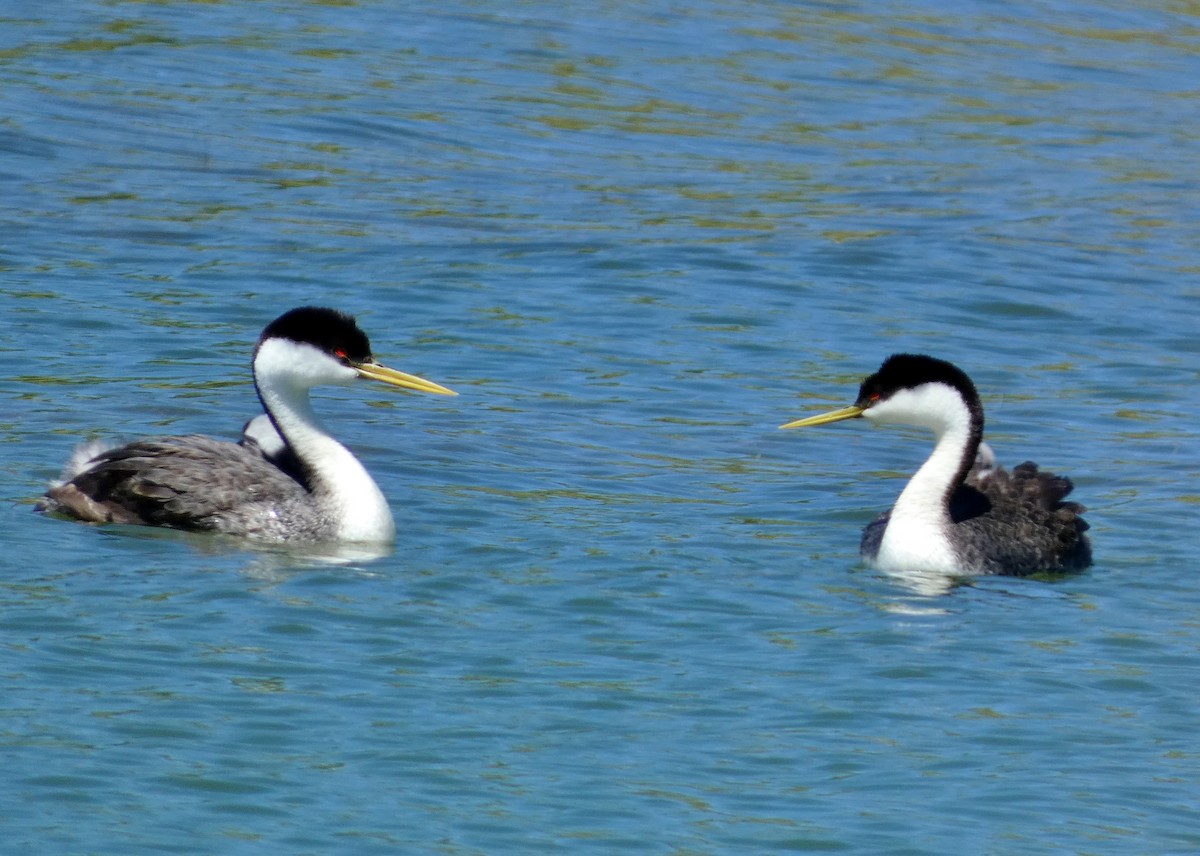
{"points": [[340, 353], [874, 397]]}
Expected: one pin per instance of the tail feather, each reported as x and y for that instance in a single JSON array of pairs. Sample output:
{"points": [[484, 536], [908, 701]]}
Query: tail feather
{"points": [[81, 460], [1044, 489]]}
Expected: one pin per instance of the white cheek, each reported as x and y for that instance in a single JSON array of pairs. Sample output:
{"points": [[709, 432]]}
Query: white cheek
{"points": [[930, 405], [302, 365]]}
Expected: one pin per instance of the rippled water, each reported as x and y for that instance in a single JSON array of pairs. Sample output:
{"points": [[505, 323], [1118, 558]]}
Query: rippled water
{"points": [[626, 613]]}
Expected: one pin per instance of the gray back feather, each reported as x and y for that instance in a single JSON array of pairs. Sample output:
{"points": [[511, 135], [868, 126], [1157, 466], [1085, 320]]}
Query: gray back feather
{"points": [[192, 482]]}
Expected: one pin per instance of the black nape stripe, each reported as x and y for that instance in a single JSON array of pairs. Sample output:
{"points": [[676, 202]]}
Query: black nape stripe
{"points": [[326, 329], [908, 371]]}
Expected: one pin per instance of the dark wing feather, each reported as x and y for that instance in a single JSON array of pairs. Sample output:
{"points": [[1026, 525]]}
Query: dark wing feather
{"points": [[1028, 527], [187, 482], [872, 536], [1015, 523]]}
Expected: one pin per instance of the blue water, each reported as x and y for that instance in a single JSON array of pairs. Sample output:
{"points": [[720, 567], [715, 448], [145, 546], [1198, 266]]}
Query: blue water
{"points": [[625, 613]]}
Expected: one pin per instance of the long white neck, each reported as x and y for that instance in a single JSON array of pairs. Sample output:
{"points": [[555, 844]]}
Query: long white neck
{"points": [[917, 537], [340, 485]]}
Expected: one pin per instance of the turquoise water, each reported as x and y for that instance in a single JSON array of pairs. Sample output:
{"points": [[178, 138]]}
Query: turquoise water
{"points": [[625, 613]]}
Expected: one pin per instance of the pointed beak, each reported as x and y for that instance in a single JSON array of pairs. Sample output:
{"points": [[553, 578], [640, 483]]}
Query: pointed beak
{"points": [[851, 412], [374, 371]]}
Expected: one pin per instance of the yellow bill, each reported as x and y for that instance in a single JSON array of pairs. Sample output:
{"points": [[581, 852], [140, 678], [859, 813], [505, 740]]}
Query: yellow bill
{"points": [[825, 418], [375, 371]]}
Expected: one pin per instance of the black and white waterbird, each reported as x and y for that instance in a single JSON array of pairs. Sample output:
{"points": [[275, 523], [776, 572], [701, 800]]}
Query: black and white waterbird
{"points": [[287, 480], [961, 513]]}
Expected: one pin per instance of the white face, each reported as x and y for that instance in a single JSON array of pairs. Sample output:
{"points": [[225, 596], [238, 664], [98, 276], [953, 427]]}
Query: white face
{"points": [[930, 405], [301, 365]]}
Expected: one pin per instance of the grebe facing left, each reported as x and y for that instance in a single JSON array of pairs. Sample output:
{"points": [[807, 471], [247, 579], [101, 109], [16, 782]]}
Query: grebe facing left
{"points": [[293, 483], [961, 513]]}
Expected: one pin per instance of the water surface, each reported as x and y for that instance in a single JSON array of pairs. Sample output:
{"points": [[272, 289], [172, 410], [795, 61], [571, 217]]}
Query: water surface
{"points": [[625, 613]]}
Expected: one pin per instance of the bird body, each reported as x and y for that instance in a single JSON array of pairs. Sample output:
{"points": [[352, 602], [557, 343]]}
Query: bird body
{"points": [[961, 513], [194, 482], [288, 480]]}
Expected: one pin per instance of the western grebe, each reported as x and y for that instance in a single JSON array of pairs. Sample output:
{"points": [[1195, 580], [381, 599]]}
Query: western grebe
{"points": [[287, 480], [961, 513]]}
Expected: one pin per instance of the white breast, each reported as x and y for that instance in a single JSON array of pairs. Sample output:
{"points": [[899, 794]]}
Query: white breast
{"points": [[914, 546], [917, 538]]}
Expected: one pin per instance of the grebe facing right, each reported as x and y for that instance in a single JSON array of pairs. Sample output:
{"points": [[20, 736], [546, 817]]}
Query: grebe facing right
{"points": [[287, 480], [961, 513]]}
